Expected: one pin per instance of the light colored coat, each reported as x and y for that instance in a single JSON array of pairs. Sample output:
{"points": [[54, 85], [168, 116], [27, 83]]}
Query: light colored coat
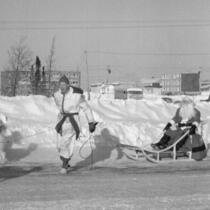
{"points": [[71, 102], [74, 101]]}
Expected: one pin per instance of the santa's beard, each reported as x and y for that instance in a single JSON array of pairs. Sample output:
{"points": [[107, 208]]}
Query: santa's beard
{"points": [[187, 111]]}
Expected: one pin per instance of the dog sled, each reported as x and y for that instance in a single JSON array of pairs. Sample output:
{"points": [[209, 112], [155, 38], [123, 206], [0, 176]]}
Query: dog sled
{"points": [[168, 154]]}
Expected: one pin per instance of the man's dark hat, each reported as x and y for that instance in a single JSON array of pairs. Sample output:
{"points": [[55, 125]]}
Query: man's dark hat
{"points": [[64, 79]]}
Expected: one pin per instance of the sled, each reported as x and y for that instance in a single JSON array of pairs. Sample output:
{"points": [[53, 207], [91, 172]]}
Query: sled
{"points": [[155, 156]]}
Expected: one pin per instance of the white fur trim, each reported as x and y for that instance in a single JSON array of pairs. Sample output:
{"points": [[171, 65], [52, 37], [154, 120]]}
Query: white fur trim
{"points": [[172, 122], [196, 124]]}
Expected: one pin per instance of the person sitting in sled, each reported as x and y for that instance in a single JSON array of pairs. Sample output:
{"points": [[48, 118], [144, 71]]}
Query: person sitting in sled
{"points": [[187, 118], [69, 101]]}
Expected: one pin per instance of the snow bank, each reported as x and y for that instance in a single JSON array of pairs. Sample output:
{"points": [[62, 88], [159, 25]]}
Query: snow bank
{"points": [[135, 122], [30, 118]]}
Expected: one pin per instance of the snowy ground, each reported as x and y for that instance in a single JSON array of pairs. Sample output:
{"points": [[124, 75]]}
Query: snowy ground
{"points": [[110, 185]]}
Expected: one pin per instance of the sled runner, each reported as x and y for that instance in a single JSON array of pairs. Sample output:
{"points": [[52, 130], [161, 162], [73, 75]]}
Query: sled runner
{"points": [[155, 156]]}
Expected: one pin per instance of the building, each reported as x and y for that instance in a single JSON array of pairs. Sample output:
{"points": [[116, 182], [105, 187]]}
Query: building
{"points": [[135, 93], [27, 82], [171, 83], [153, 81], [151, 85], [180, 83], [205, 85], [116, 90], [154, 89], [120, 93]]}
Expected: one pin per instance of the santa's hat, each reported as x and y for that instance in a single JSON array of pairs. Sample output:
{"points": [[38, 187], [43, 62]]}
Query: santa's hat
{"points": [[64, 79], [187, 100]]}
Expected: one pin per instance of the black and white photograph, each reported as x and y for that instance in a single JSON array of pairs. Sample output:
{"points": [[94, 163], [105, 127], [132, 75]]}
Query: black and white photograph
{"points": [[104, 104]]}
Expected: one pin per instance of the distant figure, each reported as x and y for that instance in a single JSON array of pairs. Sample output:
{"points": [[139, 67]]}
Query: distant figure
{"points": [[4, 132], [69, 101], [187, 118]]}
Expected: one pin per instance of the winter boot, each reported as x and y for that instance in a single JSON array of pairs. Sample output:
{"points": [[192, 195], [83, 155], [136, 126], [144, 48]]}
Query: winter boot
{"points": [[162, 143], [65, 165]]}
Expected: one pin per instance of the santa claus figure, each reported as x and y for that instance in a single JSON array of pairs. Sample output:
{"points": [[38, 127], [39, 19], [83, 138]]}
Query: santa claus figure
{"points": [[187, 118]]}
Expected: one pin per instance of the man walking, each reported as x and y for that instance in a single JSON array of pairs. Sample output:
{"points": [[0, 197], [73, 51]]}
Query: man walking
{"points": [[69, 101]]}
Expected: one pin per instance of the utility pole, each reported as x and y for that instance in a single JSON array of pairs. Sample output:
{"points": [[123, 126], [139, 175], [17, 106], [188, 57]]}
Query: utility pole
{"points": [[88, 84], [108, 73], [51, 63]]}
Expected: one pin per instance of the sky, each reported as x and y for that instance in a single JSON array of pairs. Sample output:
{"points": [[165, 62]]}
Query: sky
{"points": [[135, 38]]}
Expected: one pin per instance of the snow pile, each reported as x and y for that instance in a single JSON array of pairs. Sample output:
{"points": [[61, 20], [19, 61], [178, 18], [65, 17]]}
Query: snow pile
{"points": [[32, 119], [138, 122]]}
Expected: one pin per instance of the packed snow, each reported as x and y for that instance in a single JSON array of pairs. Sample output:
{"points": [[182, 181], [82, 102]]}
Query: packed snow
{"points": [[31, 119]]}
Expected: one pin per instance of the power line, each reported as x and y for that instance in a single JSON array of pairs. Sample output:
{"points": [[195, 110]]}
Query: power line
{"points": [[104, 67], [151, 21], [149, 54], [99, 27]]}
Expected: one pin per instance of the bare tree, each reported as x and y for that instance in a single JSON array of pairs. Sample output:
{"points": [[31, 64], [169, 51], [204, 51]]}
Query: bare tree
{"points": [[20, 58], [51, 63]]}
